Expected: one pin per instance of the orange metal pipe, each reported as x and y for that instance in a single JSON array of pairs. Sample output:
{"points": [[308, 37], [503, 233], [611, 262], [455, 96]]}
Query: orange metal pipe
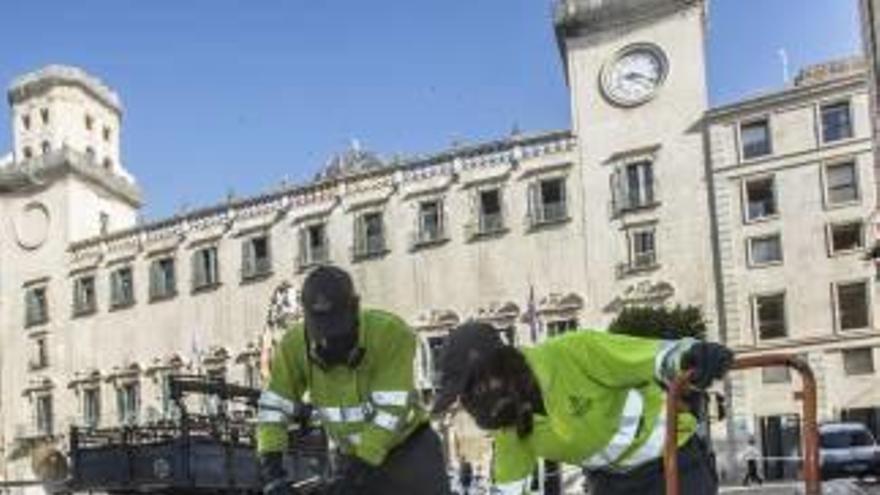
{"points": [[812, 474]]}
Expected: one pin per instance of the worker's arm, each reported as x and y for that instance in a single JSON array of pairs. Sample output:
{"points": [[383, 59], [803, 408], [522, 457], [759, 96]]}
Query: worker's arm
{"points": [[393, 394], [623, 361], [282, 394], [513, 465]]}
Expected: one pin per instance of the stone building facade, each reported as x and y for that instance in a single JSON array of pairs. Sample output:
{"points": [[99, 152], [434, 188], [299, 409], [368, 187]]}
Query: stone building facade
{"points": [[648, 199]]}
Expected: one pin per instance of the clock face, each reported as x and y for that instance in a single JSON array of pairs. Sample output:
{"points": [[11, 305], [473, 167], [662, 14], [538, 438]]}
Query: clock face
{"points": [[634, 75]]}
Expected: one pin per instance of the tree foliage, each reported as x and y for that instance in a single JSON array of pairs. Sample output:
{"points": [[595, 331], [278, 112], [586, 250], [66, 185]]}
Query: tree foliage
{"points": [[660, 322]]}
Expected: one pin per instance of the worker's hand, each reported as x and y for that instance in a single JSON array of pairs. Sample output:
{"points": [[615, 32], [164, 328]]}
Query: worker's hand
{"points": [[274, 476], [708, 361], [356, 477]]}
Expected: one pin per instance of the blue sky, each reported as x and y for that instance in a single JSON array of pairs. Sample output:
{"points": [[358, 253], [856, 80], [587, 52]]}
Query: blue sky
{"points": [[237, 95]]}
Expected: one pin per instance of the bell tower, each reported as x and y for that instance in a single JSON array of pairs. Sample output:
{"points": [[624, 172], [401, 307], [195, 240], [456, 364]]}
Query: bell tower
{"points": [[64, 107], [636, 74]]}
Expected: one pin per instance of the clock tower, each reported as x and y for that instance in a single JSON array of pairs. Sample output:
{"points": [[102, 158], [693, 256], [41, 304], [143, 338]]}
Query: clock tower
{"points": [[636, 73]]}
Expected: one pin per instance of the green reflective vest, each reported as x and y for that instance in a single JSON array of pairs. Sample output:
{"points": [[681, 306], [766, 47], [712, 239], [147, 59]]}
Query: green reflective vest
{"points": [[366, 410], [604, 406]]}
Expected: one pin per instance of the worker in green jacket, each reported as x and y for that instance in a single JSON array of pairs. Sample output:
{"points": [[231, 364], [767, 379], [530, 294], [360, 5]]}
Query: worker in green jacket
{"points": [[357, 367], [586, 398]]}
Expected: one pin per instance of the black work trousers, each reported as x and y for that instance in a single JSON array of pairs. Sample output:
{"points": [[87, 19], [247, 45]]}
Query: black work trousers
{"points": [[415, 467], [696, 469]]}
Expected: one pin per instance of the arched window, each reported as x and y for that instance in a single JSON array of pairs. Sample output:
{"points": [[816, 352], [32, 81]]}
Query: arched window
{"points": [[26, 122], [108, 163], [44, 114], [27, 152], [46, 147], [89, 122], [107, 134], [90, 153]]}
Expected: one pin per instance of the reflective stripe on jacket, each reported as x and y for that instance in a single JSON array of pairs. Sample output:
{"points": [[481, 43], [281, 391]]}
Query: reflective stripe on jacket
{"points": [[605, 408], [366, 410]]}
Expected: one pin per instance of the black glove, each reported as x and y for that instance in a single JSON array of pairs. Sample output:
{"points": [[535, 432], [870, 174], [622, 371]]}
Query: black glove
{"points": [[708, 361], [273, 475], [356, 478]]}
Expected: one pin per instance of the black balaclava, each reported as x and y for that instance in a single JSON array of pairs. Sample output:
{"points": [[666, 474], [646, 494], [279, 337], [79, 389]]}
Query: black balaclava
{"points": [[502, 392], [330, 307]]}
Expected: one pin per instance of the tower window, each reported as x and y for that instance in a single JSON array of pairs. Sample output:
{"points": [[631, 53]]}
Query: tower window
{"points": [[26, 122], [46, 147], [108, 163], [27, 152], [90, 153], [106, 134], [44, 114], [89, 122]]}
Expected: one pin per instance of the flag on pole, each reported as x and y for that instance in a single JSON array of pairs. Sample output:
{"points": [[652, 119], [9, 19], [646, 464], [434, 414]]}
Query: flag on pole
{"points": [[532, 316]]}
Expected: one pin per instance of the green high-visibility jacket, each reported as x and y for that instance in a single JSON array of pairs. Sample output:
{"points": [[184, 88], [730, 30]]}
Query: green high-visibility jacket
{"points": [[366, 409], [604, 405]]}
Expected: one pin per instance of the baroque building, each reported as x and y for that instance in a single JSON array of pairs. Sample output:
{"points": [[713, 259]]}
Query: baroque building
{"points": [[760, 212]]}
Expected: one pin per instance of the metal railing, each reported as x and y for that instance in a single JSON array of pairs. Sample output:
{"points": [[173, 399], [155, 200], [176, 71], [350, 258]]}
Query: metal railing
{"points": [[811, 467]]}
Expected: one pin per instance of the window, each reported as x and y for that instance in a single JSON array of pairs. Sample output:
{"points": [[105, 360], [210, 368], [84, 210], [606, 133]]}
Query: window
{"points": [[90, 154], [841, 182], [770, 316], [560, 327], [252, 376], [40, 356], [633, 186], [760, 198], [104, 222], [205, 270], [255, 257], [44, 114], [45, 147], [765, 250], [163, 282], [84, 299], [430, 222], [121, 288], [858, 361], [128, 403], [89, 121], [547, 202], [369, 235], [836, 122], [435, 347], [755, 138], [91, 404], [491, 217], [106, 134], [313, 248], [36, 306], [44, 418], [775, 374], [26, 122], [642, 249], [846, 237], [108, 163], [28, 153], [852, 306]]}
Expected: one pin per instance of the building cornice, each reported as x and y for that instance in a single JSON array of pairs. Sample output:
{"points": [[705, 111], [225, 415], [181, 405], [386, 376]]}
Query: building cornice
{"points": [[512, 149], [38, 172], [42, 80], [787, 96]]}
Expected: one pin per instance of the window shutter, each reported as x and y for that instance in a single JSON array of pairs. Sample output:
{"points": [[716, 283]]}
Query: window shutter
{"points": [[563, 196], [441, 219], [170, 278], [248, 258], [30, 306], [114, 288], [155, 279], [215, 266], [359, 234], [197, 269], [303, 247], [534, 202]]}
